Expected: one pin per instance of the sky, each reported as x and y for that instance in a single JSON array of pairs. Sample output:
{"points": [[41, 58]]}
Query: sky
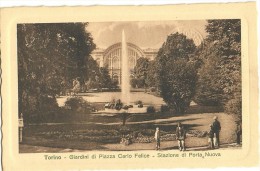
{"points": [[145, 34]]}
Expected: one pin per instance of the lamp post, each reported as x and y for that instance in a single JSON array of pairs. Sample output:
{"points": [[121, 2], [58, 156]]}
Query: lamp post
{"points": [[20, 125]]}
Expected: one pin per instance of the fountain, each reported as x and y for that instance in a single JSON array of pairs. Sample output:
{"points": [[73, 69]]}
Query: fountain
{"points": [[125, 85]]}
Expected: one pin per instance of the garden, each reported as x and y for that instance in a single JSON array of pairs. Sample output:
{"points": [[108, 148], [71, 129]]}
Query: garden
{"points": [[85, 129]]}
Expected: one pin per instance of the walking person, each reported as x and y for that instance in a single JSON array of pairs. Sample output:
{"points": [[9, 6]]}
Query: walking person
{"points": [[157, 138], [238, 132], [211, 136], [181, 136], [216, 129]]}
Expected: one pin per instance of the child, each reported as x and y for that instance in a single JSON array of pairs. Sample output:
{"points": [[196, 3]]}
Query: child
{"points": [[157, 138], [211, 137]]}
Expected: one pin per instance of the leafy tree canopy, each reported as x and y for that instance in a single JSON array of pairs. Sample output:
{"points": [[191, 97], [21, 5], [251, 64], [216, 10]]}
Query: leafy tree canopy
{"points": [[220, 72], [50, 56], [141, 67], [140, 72], [106, 81], [176, 73], [152, 74]]}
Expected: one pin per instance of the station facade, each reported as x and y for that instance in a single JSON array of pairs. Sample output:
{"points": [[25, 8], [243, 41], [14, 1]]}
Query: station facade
{"points": [[111, 58]]}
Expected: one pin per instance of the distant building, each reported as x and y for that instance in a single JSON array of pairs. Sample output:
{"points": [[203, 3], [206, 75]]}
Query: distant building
{"points": [[111, 58]]}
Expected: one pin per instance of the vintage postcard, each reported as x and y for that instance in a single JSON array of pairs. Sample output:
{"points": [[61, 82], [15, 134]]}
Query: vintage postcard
{"points": [[129, 87]]}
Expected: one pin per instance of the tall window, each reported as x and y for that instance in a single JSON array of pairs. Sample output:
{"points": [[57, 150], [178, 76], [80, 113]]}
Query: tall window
{"points": [[116, 62]]}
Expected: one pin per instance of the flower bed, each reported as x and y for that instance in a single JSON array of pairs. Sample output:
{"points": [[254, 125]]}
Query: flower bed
{"points": [[124, 135]]}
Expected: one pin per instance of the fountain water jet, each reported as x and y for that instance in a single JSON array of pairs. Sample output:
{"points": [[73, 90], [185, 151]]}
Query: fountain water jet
{"points": [[125, 83], [125, 87]]}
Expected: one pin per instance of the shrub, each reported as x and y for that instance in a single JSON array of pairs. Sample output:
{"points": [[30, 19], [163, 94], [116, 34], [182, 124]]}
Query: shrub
{"points": [[138, 102], [77, 104], [234, 106], [152, 89], [165, 108], [150, 109], [46, 110]]}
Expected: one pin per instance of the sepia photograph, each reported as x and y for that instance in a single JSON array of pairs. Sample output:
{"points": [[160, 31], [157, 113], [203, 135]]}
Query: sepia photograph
{"points": [[129, 87], [157, 85]]}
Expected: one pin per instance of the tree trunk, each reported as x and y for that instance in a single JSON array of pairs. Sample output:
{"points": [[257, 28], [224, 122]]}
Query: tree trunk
{"points": [[124, 118]]}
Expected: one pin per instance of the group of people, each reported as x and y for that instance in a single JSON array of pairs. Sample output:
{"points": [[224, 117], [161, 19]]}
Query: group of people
{"points": [[180, 137], [213, 135]]}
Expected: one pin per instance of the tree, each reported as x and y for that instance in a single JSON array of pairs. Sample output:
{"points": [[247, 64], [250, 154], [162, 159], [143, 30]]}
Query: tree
{"points": [[124, 116], [219, 80], [93, 70], [209, 91], [50, 56], [176, 72], [152, 75], [105, 80], [141, 67], [140, 73], [178, 86]]}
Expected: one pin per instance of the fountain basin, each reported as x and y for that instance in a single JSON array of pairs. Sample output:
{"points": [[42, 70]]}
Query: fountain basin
{"points": [[129, 110]]}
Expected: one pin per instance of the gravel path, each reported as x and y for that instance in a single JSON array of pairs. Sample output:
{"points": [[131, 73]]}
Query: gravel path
{"points": [[119, 147]]}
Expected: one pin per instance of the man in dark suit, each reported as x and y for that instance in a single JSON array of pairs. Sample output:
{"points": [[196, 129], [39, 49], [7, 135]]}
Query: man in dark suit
{"points": [[216, 127]]}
